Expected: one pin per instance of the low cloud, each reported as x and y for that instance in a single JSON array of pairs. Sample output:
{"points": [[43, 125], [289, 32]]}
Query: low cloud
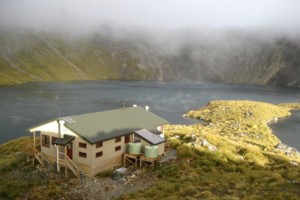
{"points": [[89, 16]]}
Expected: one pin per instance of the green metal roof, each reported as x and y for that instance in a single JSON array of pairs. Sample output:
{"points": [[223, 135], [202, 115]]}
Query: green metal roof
{"points": [[100, 126]]}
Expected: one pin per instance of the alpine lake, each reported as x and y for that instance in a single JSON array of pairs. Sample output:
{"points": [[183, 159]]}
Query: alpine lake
{"points": [[26, 105]]}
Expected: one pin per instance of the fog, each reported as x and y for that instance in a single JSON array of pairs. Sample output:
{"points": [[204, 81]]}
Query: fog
{"points": [[86, 16], [206, 40]]}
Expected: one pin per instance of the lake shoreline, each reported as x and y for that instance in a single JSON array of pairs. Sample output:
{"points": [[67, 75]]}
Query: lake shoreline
{"points": [[24, 105], [233, 125]]}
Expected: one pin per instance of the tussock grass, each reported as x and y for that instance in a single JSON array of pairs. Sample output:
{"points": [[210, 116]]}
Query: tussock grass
{"points": [[11, 154], [206, 175], [246, 164], [290, 106], [19, 179], [239, 129]]}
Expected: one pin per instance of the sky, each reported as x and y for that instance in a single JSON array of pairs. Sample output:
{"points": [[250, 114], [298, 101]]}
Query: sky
{"points": [[165, 14]]}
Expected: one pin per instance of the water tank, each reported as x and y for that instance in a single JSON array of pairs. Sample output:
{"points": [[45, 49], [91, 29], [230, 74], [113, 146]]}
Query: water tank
{"points": [[151, 151], [134, 148]]}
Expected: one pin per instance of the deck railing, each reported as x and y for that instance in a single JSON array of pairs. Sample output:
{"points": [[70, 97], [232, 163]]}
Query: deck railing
{"points": [[64, 160], [74, 168], [41, 158]]}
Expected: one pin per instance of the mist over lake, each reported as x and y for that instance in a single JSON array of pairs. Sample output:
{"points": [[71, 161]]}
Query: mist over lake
{"points": [[27, 105]]}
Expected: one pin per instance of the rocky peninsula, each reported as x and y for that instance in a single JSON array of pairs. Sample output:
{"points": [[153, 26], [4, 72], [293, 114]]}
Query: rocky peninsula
{"points": [[237, 128]]}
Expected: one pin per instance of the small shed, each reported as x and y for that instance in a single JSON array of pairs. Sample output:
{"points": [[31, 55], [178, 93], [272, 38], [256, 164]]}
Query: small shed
{"points": [[148, 138]]}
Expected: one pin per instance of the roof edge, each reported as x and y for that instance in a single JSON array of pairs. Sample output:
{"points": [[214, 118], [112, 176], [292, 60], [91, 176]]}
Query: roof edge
{"points": [[42, 123]]}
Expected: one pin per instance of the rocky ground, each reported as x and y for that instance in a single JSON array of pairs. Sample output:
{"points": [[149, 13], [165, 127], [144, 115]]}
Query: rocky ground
{"points": [[57, 186], [107, 188], [49, 184]]}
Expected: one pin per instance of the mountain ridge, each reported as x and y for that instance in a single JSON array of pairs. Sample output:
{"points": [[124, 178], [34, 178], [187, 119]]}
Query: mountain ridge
{"points": [[227, 56]]}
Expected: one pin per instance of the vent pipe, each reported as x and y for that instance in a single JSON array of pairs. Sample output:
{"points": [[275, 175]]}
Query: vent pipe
{"points": [[60, 135], [60, 128]]}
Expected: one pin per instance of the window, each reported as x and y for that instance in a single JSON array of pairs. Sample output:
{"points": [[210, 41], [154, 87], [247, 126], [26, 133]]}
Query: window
{"points": [[99, 154], [45, 140], [81, 154], [127, 139], [82, 145], [53, 140], [118, 139], [137, 138], [118, 148], [99, 144]]}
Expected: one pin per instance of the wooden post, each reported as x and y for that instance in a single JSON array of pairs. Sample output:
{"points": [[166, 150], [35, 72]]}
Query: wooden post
{"points": [[141, 161], [33, 140], [66, 165], [33, 148], [129, 157], [57, 158]]}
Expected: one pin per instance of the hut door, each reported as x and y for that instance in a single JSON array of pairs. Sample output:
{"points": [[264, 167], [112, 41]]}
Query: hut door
{"points": [[70, 151]]}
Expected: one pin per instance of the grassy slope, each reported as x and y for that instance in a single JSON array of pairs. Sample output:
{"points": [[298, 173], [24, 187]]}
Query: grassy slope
{"points": [[11, 160], [19, 179], [35, 56], [244, 167], [206, 175], [43, 57]]}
